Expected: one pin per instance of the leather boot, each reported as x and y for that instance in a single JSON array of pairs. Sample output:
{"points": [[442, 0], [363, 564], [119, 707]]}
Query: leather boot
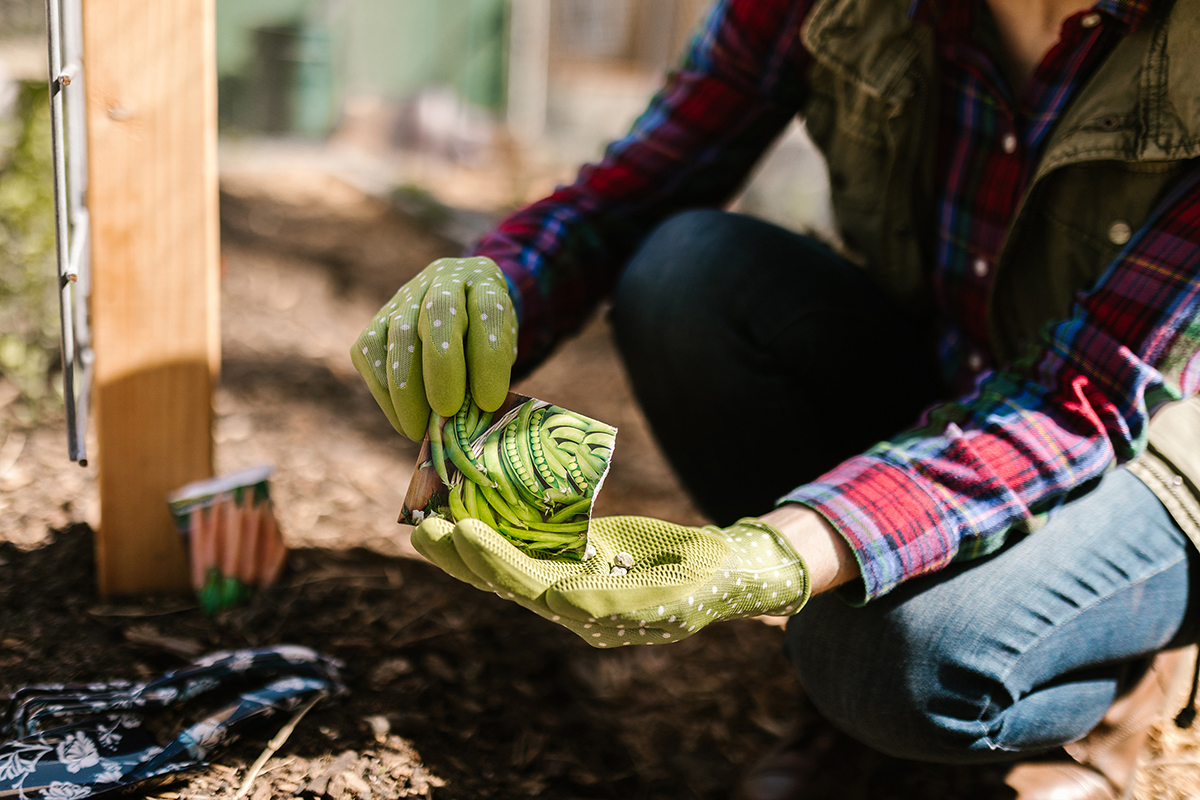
{"points": [[1100, 766]]}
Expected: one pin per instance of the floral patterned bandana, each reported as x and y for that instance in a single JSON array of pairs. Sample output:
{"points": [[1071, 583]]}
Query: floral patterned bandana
{"points": [[85, 741]]}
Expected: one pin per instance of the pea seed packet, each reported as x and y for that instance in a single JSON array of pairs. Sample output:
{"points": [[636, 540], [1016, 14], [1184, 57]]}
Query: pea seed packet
{"points": [[531, 470], [233, 541]]}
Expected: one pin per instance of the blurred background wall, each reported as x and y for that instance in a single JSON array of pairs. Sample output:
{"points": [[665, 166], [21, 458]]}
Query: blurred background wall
{"points": [[561, 73], [545, 82], [289, 66]]}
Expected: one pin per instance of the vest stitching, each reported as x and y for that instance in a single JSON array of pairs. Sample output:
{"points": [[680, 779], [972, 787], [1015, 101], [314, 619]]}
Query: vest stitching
{"points": [[1151, 467]]}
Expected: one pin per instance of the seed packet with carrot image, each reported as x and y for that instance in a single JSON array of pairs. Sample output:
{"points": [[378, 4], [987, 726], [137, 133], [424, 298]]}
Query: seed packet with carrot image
{"points": [[233, 541]]}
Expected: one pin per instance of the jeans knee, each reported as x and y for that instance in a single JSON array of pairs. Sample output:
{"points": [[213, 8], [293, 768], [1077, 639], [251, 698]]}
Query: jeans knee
{"points": [[892, 686]]}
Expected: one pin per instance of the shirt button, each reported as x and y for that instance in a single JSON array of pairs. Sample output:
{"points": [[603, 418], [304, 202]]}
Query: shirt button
{"points": [[1119, 232], [981, 268], [1009, 143], [1177, 480], [1090, 20], [975, 361]]}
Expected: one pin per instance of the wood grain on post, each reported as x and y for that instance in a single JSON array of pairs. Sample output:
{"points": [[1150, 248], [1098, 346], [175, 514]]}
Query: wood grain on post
{"points": [[152, 172]]}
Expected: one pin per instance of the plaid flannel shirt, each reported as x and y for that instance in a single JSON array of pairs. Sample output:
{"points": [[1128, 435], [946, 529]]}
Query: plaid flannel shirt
{"points": [[1019, 438]]}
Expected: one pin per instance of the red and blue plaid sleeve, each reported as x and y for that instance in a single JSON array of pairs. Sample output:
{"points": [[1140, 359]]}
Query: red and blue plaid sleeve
{"points": [[1032, 433], [736, 89]]}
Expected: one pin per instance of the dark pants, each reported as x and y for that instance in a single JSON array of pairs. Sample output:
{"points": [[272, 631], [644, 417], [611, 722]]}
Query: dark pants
{"points": [[762, 359]]}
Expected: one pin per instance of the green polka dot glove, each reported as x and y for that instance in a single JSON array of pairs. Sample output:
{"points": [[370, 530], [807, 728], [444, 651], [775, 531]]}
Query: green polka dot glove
{"points": [[647, 581], [453, 320]]}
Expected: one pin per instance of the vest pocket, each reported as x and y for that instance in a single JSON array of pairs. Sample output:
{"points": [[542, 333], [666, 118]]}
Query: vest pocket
{"points": [[845, 123], [1075, 223]]}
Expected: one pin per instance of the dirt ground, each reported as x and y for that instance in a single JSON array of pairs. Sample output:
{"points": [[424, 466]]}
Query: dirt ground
{"points": [[453, 693]]}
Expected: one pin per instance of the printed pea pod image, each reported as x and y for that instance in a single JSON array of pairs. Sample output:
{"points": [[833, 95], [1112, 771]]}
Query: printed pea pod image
{"points": [[530, 469]]}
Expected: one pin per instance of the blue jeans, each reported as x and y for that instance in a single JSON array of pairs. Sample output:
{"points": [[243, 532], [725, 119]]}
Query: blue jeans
{"points": [[762, 359]]}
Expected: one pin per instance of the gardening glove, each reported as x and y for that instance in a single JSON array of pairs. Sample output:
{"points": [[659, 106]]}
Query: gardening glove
{"points": [[454, 320], [681, 578]]}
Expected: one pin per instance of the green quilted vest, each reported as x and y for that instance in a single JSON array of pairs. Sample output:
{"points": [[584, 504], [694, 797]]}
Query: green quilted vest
{"points": [[1116, 151]]}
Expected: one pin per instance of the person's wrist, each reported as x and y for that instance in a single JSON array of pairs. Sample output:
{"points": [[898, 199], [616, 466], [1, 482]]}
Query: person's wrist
{"points": [[829, 559]]}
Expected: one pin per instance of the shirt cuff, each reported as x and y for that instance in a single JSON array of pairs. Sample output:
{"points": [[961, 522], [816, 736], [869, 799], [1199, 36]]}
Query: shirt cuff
{"points": [[894, 522]]}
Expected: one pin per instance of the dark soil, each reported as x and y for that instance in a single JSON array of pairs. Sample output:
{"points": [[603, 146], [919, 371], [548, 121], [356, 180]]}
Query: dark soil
{"points": [[447, 684]]}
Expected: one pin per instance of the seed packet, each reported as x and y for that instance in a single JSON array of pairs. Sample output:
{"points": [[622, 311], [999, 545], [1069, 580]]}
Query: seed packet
{"points": [[233, 540], [530, 470]]}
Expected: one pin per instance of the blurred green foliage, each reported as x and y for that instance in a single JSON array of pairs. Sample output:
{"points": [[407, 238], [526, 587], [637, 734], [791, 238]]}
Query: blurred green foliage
{"points": [[29, 335]]}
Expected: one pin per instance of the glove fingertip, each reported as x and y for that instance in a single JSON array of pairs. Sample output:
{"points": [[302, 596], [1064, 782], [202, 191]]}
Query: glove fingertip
{"points": [[413, 417], [564, 605], [431, 530], [445, 382], [378, 390], [445, 404], [434, 540], [490, 395], [480, 535], [410, 403], [495, 559]]}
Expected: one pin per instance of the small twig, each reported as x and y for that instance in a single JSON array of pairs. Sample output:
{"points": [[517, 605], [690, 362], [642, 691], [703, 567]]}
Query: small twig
{"points": [[280, 765], [273, 746], [416, 639], [147, 635], [165, 607], [367, 581]]}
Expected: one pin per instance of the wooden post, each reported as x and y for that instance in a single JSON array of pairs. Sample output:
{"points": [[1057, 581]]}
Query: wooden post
{"points": [[151, 119]]}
